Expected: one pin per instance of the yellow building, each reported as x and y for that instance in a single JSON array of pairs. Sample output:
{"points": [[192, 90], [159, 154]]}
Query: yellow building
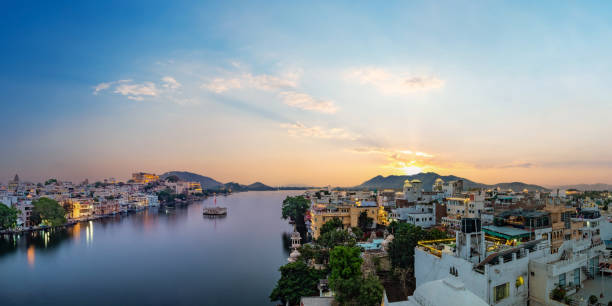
{"points": [[348, 214], [144, 178], [80, 208], [563, 228]]}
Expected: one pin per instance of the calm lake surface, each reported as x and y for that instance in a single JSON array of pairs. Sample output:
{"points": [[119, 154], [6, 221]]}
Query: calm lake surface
{"points": [[154, 257]]}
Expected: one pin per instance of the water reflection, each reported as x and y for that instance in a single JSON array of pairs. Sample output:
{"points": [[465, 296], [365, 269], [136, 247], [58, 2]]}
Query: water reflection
{"points": [[168, 256], [31, 256]]}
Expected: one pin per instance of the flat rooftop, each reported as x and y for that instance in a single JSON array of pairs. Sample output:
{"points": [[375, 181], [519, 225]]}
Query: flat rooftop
{"points": [[506, 232]]}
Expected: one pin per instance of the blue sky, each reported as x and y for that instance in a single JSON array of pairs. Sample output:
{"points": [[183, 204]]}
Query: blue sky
{"points": [[336, 92]]}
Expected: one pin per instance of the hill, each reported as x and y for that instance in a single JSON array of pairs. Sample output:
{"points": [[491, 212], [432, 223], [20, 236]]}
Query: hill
{"points": [[205, 181], [589, 187], [212, 184], [428, 178], [258, 186]]}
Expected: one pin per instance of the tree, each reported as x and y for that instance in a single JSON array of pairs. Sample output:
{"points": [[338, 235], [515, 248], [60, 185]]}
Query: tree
{"points": [[336, 237], [592, 300], [357, 232], [47, 212], [8, 216], [50, 181], [330, 225], [297, 280], [295, 208], [401, 248], [346, 279], [364, 222], [370, 292], [345, 263]]}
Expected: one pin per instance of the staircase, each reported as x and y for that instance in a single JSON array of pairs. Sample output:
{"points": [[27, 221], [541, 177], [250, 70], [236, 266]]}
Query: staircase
{"points": [[586, 271]]}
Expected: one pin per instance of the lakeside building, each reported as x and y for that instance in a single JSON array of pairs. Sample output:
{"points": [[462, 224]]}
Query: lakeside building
{"points": [[144, 178], [346, 206]]}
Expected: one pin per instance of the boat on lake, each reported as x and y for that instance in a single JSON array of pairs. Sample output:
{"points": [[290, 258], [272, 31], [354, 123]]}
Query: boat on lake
{"points": [[215, 211]]}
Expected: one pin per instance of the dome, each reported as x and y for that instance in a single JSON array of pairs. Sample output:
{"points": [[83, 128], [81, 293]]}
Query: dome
{"points": [[293, 256], [407, 183], [415, 181], [439, 180], [455, 293]]}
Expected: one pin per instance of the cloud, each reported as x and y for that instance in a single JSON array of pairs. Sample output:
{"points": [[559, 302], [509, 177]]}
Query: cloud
{"points": [[220, 85], [517, 165], [100, 87], [170, 83], [300, 130], [393, 83], [139, 91], [401, 160], [307, 102], [263, 82]]}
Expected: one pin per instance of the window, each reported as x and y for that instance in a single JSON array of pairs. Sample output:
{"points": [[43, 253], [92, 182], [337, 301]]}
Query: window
{"points": [[501, 292], [562, 280], [577, 277]]}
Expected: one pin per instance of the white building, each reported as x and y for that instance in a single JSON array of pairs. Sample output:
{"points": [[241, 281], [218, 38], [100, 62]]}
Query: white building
{"points": [[419, 215], [498, 276], [413, 190]]}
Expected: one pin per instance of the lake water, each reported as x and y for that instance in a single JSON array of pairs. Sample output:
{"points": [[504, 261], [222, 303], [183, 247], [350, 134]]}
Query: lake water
{"points": [[154, 257]]}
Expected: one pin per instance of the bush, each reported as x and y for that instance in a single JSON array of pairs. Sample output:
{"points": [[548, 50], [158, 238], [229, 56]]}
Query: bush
{"points": [[558, 294], [592, 300]]}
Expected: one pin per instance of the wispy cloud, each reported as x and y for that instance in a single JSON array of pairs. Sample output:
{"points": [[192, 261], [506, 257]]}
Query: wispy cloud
{"points": [[300, 130], [170, 82], [139, 91], [389, 82], [264, 82], [307, 102]]}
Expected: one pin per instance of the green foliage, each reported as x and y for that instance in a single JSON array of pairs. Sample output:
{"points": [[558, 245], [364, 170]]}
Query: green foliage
{"points": [[295, 208], [346, 279], [401, 249], [313, 251], [8, 216], [47, 212], [558, 294], [346, 290], [336, 237], [297, 280], [370, 292], [364, 222], [357, 232], [345, 263], [330, 225], [50, 181], [593, 300]]}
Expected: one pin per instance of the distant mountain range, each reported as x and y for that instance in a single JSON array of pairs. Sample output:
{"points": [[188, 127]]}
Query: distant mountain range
{"points": [[212, 184], [377, 182], [428, 178], [590, 187]]}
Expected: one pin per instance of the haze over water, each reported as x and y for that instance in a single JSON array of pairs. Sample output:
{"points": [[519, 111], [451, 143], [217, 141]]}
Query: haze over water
{"points": [[165, 257]]}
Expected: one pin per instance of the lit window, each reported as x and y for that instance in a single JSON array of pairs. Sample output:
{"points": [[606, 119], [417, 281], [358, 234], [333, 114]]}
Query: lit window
{"points": [[502, 292]]}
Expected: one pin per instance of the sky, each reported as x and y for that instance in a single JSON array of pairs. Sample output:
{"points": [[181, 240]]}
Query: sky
{"points": [[307, 93]]}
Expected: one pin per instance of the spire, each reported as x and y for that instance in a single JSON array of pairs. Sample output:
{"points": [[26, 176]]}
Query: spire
{"points": [[16, 179]]}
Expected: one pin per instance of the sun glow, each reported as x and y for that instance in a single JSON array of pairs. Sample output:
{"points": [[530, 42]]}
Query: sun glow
{"points": [[411, 170]]}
